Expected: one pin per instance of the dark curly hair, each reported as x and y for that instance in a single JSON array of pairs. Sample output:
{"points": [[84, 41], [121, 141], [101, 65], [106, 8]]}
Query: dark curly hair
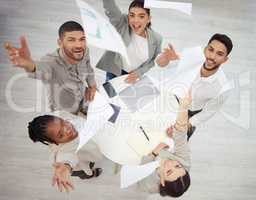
{"points": [[37, 129]]}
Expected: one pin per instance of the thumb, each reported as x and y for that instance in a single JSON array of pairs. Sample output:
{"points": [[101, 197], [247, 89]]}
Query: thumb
{"points": [[7, 46]]}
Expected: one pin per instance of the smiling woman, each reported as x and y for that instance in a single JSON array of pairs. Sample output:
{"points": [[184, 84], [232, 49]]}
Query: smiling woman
{"points": [[143, 44], [61, 131], [172, 177]]}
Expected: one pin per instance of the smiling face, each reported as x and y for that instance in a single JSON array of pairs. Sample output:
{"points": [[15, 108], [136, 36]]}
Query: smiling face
{"points": [[61, 131], [171, 170], [138, 20], [73, 46], [215, 54]]}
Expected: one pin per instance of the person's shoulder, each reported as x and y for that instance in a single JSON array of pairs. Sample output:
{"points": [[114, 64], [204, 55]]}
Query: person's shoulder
{"points": [[157, 36], [51, 56]]}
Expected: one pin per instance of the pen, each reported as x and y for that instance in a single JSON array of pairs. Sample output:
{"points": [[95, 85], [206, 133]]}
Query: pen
{"points": [[144, 132]]}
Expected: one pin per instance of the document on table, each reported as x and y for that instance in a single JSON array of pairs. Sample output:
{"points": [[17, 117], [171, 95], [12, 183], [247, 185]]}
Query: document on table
{"points": [[99, 112], [100, 32], [139, 94], [144, 140], [132, 174], [182, 7]]}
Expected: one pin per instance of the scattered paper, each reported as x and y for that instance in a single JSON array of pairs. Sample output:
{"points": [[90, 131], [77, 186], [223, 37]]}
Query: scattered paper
{"points": [[119, 83], [133, 174], [100, 32], [99, 112], [139, 94], [182, 7], [180, 79]]}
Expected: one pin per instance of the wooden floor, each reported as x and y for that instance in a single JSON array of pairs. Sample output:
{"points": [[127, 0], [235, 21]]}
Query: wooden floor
{"points": [[223, 149]]}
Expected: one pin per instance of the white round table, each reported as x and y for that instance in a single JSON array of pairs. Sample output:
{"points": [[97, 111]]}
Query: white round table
{"points": [[155, 116]]}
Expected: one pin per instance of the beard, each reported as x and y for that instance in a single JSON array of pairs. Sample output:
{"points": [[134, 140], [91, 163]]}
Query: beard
{"points": [[74, 54], [211, 68]]}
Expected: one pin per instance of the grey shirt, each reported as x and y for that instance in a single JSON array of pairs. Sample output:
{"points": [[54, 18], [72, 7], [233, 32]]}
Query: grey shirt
{"points": [[65, 83], [181, 154]]}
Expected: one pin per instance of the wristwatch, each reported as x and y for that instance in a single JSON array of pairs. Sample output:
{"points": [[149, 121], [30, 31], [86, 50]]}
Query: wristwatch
{"points": [[154, 154]]}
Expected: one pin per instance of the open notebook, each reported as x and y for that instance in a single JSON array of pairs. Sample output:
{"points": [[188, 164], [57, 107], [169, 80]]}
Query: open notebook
{"points": [[144, 144]]}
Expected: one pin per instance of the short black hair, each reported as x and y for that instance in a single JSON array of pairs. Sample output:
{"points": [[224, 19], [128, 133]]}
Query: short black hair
{"points": [[140, 4], [224, 39], [37, 129], [175, 188], [69, 26]]}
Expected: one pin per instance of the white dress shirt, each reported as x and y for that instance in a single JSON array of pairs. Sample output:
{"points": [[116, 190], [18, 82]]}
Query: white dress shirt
{"points": [[207, 95], [137, 52]]}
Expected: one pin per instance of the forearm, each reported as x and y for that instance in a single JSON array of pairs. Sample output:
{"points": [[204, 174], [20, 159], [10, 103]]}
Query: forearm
{"points": [[91, 80], [144, 68], [112, 11], [181, 123], [42, 71], [30, 66]]}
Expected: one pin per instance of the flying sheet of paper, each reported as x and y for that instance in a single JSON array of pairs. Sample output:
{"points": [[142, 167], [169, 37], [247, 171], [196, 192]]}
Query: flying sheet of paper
{"points": [[190, 58], [182, 7], [191, 61], [100, 32], [119, 83], [99, 112], [133, 174]]}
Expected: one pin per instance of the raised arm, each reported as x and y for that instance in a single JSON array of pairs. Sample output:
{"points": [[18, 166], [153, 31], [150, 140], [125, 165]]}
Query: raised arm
{"points": [[20, 57], [113, 12]]}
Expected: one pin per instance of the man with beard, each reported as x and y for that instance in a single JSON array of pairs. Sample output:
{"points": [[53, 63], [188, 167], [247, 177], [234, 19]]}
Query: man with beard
{"points": [[207, 96], [66, 73]]}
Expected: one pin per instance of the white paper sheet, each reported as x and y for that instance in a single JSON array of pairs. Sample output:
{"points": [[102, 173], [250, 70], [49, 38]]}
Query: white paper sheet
{"points": [[180, 80], [140, 94], [182, 7], [119, 83], [133, 174], [100, 32], [98, 114], [139, 143]]}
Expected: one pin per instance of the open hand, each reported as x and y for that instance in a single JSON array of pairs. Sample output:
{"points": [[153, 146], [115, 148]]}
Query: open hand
{"points": [[90, 93], [62, 177], [20, 56], [166, 56], [131, 78]]}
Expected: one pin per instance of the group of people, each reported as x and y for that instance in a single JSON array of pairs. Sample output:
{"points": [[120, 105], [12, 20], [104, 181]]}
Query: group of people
{"points": [[71, 85]]}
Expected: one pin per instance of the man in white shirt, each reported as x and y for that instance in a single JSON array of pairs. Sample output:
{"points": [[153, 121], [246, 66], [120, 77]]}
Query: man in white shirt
{"points": [[62, 136], [207, 88]]}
